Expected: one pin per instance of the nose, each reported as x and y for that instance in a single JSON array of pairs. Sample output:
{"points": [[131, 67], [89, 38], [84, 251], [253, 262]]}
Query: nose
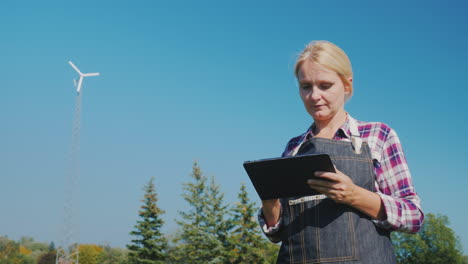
{"points": [[315, 94]]}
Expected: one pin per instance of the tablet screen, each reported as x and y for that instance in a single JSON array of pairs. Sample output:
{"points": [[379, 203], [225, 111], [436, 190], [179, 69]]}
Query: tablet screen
{"points": [[286, 177]]}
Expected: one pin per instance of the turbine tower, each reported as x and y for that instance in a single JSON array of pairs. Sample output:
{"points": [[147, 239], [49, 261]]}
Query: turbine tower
{"points": [[67, 250]]}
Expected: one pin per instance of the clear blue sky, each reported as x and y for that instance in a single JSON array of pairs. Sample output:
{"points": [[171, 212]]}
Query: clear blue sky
{"points": [[212, 82]]}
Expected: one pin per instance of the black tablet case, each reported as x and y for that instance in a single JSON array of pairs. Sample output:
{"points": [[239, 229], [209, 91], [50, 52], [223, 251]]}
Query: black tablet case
{"points": [[286, 177]]}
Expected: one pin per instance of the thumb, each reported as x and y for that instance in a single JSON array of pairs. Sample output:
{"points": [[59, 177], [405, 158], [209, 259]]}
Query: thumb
{"points": [[336, 169]]}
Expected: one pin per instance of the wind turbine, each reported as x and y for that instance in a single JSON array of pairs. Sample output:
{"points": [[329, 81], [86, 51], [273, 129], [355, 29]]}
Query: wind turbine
{"points": [[82, 75]]}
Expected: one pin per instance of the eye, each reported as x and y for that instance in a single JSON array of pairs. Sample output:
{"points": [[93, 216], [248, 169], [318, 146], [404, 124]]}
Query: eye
{"points": [[305, 86], [326, 85]]}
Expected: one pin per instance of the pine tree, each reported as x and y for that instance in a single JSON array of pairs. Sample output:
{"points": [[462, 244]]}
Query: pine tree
{"points": [[218, 222], [149, 246], [249, 245], [204, 230]]}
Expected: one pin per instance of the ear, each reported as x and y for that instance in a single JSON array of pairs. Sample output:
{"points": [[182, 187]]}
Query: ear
{"points": [[347, 87]]}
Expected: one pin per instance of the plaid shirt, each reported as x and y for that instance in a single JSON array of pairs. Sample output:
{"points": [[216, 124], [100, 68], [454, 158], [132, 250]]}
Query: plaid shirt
{"points": [[393, 179]]}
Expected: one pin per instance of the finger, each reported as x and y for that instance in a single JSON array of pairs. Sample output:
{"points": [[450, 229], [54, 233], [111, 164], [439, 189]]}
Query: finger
{"points": [[326, 191], [320, 189], [325, 186], [327, 175], [338, 171], [322, 183]]}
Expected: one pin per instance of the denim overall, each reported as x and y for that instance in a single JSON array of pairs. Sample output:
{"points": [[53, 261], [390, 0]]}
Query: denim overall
{"points": [[319, 230]]}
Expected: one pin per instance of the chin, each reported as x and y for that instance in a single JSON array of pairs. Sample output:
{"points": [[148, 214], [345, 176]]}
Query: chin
{"points": [[320, 116]]}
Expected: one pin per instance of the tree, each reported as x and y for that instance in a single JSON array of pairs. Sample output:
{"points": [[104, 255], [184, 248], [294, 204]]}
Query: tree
{"points": [[52, 246], [249, 245], [204, 227], [47, 258], [24, 250], [89, 254], [217, 213], [8, 248], [113, 255], [10, 253], [271, 252], [31, 248], [435, 243], [149, 246]]}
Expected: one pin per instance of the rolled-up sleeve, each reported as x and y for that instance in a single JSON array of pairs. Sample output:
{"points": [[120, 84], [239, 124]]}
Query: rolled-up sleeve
{"points": [[272, 232], [395, 187]]}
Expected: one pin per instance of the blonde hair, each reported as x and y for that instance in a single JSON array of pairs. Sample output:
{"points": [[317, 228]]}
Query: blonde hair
{"points": [[330, 56]]}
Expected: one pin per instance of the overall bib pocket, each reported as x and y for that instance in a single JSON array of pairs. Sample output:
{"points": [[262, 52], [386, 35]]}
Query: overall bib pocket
{"points": [[320, 231]]}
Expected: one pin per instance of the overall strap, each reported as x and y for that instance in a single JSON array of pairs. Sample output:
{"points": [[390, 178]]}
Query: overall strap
{"points": [[356, 139], [295, 150]]}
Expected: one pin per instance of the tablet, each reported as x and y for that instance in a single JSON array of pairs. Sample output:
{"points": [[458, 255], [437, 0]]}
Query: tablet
{"points": [[287, 176]]}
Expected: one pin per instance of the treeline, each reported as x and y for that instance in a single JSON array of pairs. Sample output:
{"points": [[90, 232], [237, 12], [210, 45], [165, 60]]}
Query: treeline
{"points": [[435, 243], [28, 251], [211, 231]]}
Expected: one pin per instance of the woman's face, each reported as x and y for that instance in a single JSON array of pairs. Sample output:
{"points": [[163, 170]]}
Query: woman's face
{"points": [[322, 90]]}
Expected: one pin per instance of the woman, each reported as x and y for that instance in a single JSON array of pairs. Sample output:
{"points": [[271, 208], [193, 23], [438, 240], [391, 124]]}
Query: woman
{"points": [[371, 193]]}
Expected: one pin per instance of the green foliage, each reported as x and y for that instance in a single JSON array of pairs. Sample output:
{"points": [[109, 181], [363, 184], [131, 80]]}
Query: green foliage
{"points": [[211, 233], [204, 228], [465, 259], [52, 246], [89, 254], [10, 253], [217, 222], [7, 248], [29, 243], [271, 251], [435, 243], [47, 258], [36, 248], [28, 251], [248, 244], [149, 246], [113, 255]]}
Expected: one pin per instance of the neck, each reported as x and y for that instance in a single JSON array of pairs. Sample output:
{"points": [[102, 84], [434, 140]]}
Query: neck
{"points": [[327, 128]]}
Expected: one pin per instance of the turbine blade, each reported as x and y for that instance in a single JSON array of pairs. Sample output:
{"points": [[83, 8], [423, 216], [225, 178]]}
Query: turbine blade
{"points": [[91, 74], [74, 67], [78, 88]]}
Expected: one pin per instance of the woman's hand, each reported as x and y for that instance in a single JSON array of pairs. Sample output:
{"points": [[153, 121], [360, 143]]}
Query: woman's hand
{"points": [[271, 211], [341, 189], [336, 186]]}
